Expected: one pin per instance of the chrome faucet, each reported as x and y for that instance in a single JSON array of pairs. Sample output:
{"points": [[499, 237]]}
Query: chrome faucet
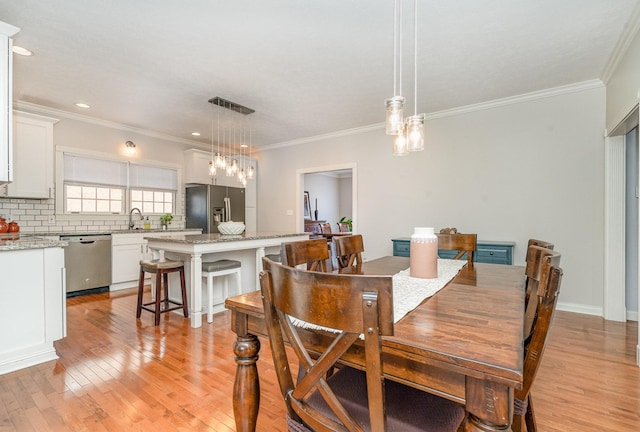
{"points": [[131, 223]]}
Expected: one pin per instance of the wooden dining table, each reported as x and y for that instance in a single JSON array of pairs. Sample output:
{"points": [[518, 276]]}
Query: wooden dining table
{"points": [[465, 343]]}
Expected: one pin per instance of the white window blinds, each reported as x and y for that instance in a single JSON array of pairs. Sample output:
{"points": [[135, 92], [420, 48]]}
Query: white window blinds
{"points": [[145, 176], [82, 169]]}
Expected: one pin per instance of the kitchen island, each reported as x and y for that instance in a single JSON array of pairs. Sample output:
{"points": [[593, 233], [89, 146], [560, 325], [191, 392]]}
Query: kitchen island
{"points": [[248, 248], [32, 295]]}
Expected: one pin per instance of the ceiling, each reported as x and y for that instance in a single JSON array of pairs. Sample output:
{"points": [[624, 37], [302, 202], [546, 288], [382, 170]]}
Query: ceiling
{"points": [[307, 68]]}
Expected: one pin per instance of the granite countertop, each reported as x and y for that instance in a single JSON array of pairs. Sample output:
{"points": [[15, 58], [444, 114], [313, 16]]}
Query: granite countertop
{"points": [[219, 238], [124, 231], [13, 242]]}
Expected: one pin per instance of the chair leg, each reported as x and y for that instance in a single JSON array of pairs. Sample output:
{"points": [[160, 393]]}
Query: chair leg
{"points": [[209, 298], [140, 290], [165, 279], [158, 297], [530, 418], [183, 288]]}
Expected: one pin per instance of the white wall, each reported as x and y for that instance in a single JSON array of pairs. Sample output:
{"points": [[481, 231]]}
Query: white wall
{"points": [[512, 172], [623, 87]]}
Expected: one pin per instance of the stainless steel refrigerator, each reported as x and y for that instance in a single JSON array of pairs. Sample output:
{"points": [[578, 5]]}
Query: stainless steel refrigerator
{"points": [[208, 205]]}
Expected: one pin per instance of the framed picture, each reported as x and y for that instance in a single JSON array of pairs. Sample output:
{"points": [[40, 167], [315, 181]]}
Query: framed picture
{"points": [[307, 206]]}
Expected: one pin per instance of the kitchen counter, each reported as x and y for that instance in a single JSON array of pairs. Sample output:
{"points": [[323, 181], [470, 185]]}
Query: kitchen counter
{"points": [[125, 231], [12, 242], [221, 238], [248, 248]]}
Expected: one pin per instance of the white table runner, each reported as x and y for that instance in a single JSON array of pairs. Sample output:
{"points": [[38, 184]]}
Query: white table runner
{"points": [[409, 292]]}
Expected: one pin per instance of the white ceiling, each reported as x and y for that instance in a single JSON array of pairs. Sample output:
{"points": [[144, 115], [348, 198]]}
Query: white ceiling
{"points": [[307, 67]]}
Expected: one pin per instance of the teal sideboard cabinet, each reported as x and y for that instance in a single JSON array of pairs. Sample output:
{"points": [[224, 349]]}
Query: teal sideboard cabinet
{"points": [[493, 252]]}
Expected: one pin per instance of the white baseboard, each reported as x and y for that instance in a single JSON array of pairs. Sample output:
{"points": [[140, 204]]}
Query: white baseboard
{"points": [[580, 308], [632, 315]]}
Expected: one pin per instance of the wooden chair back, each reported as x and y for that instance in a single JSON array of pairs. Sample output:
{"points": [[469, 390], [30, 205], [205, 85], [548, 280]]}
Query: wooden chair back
{"points": [[325, 228], [314, 253], [541, 243], [547, 298], [349, 250], [463, 243], [343, 227], [536, 257], [314, 228], [352, 305]]}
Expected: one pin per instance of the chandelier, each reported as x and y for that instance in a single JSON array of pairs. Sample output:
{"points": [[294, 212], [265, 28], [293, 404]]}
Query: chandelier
{"points": [[232, 157], [409, 131]]}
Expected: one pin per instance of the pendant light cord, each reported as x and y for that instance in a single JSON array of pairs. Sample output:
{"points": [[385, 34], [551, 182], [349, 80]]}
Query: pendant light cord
{"points": [[415, 57]]}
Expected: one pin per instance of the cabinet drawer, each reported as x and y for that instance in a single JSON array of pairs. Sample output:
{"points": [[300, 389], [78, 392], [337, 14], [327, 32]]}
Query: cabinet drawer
{"points": [[401, 248], [493, 255]]}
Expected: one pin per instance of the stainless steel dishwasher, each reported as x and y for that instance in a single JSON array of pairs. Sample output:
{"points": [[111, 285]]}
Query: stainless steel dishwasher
{"points": [[88, 262]]}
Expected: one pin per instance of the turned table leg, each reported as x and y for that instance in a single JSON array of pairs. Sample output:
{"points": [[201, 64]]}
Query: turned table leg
{"points": [[246, 388], [489, 406]]}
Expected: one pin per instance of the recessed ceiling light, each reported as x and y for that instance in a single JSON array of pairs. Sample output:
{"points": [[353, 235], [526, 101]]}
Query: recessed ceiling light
{"points": [[22, 51], [195, 133], [243, 146], [83, 105]]}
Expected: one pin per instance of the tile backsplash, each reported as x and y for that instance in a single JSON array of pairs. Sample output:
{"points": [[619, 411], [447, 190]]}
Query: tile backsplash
{"points": [[38, 216]]}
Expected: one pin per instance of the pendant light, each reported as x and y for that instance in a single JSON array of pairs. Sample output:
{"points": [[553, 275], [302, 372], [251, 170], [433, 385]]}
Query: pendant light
{"points": [[231, 161], [395, 105], [415, 123]]}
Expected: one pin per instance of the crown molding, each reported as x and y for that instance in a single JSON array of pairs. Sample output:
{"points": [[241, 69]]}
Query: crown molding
{"points": [[526, 97], [630, 31], [43, 110], [338, 134]]}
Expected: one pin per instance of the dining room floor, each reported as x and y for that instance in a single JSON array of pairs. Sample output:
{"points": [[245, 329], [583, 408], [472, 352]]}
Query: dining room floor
{"points": [[116, 373]]}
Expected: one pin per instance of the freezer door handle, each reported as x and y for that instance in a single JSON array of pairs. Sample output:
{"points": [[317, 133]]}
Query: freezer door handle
{"points": [[227, 209]]}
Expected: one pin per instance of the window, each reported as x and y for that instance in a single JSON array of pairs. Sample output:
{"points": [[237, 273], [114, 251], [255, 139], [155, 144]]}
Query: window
{"points": [[94, 185], [93, 199], [152, 201]]}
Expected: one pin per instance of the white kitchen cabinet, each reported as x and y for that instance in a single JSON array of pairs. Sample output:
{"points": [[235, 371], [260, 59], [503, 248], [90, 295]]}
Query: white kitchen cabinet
{"points": [[32, 295], [7, 31], [126, 252], [32, 156], [127, 249]]}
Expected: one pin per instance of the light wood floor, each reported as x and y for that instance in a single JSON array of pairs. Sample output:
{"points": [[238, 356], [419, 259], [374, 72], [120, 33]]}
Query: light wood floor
{"points": [[119, 374]]}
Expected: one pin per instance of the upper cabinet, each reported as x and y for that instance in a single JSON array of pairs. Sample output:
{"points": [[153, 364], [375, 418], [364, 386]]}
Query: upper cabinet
{"points": [[196, 170], [32, 157], [7, 31]]}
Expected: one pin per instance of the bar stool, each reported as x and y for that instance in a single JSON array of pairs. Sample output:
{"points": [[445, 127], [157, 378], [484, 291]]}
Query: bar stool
{"points": [[162, 268], [217, 269]]}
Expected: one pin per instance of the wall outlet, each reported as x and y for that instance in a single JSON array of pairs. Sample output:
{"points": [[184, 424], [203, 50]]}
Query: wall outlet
{"points": [[289, 212], [52, 219]]}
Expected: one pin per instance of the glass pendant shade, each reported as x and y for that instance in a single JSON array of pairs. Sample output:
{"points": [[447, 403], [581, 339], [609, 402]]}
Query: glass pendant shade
{"points": [[212, 168], [241, 175], [234, 166], [395, 106], [400, 144], [217, 159], [250, 172], [415, 132]]}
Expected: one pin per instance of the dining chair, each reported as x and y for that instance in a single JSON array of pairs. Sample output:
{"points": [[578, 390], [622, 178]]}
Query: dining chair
{"points": [[349, 399], [343, 227], [313, 252], [547, 298], [540, 243], [536, 256], [463, 243], [325, 227], [349, 250]]}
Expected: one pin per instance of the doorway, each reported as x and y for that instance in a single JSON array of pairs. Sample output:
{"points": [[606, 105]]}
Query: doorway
{"points": [[334, 194], [631, 224]]}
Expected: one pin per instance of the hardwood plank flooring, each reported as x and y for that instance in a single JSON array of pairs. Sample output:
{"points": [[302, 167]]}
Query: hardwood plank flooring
{"points": [[116, 373]]}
